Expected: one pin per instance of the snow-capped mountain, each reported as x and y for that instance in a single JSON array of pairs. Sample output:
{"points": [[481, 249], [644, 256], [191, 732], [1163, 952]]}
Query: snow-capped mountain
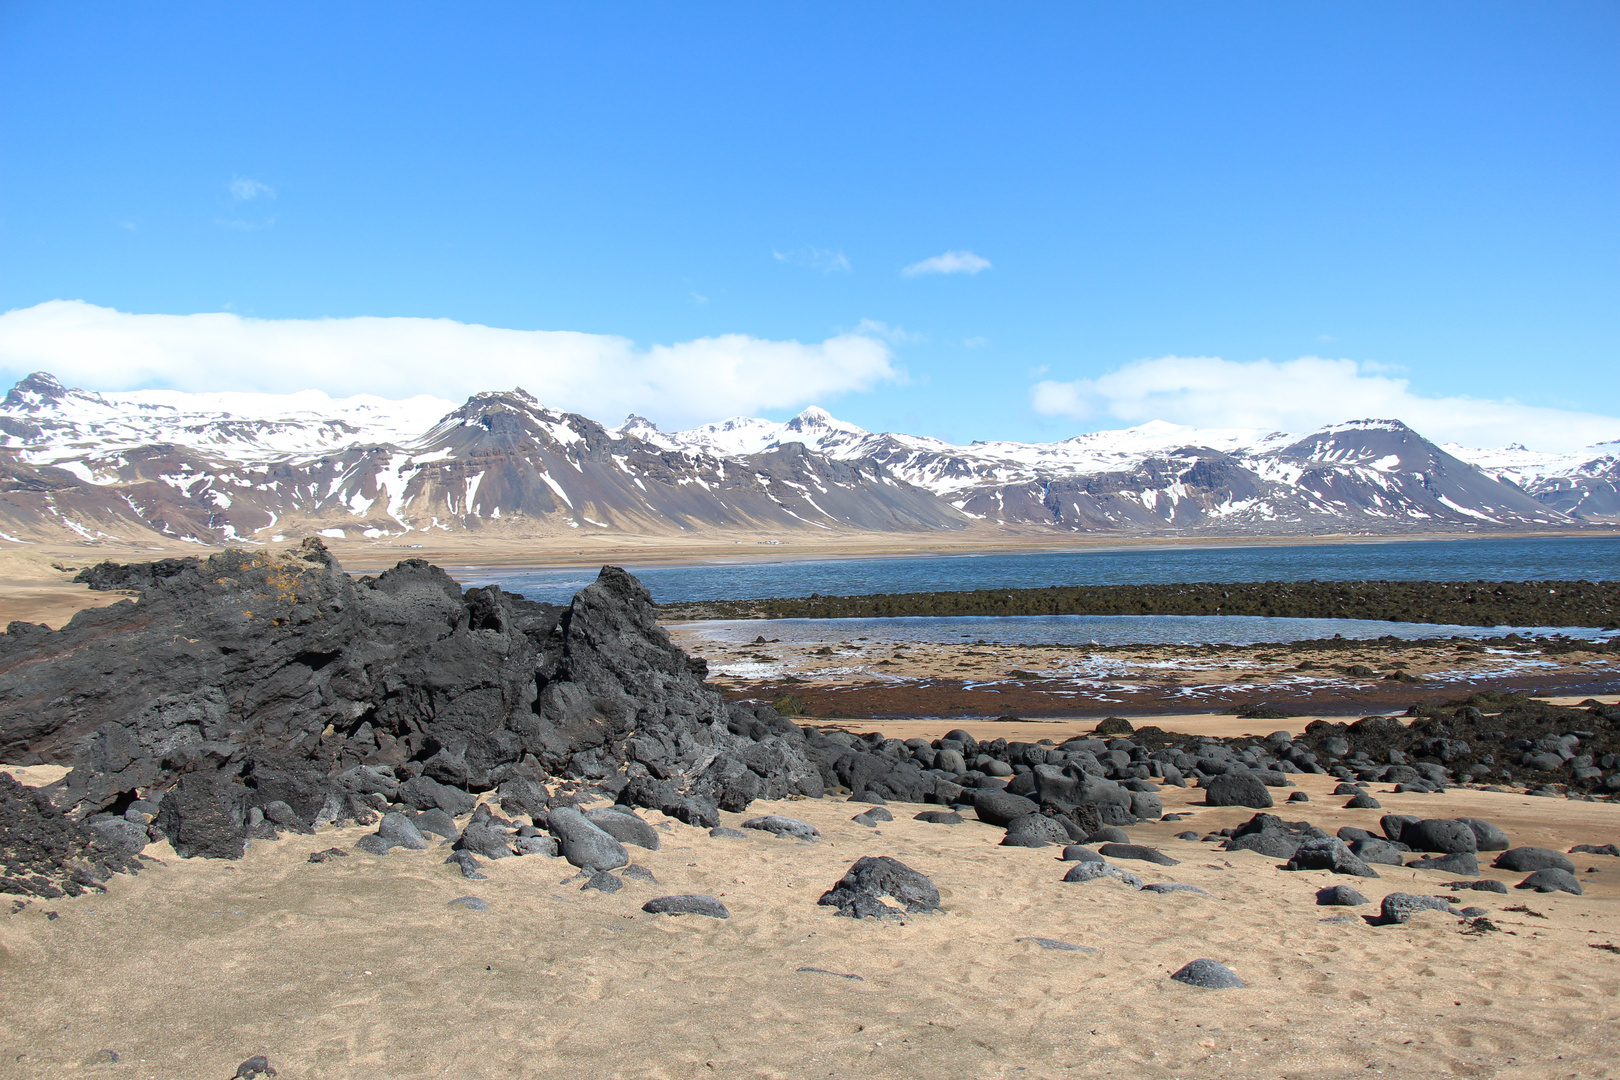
{"points": [[1583, 484], [1368, 474], [253, 468], [41, 412]]}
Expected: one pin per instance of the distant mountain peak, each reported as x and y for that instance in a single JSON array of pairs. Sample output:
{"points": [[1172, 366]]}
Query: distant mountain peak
{"points": [[39, 389]]}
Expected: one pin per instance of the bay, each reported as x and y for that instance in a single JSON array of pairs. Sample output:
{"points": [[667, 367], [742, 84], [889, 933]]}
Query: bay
{"points": [[1505, 559]]}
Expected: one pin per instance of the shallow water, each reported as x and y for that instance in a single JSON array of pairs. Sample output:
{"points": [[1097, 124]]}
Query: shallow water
{"points": [[1094, 630], [1571, 559]]}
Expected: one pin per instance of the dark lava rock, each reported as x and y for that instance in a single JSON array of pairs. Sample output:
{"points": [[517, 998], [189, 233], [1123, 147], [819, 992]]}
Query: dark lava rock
{"points": [[777, 825], [205, 814], [1271, 836], [639, 873], [1329, 853], [44, 853], [874, 815], [250, 679], [1446, 836], [490, 841], [1209, 974], [689, 904], [253, 1066], [125, 836], [426, 793], [438, 823], [725, 832], [1139, 852], [860, 892], [1000, 808], [583, 843], [1076, 853], [1398, 907], [1237, 789], [1487, 837], [1527, 859], [602, 881], [468, 863], [867, 819], [1095, 871], [1038, 827], [1551, 879], [940, 817], [1362, 800], [1374, 850], [1395, 824], [1347, 789], [625, 827], [1483, 885], [328, 854], [1463, 862], [400, 831], [1592, 849], [1108, 834], [1024, 840], [1298, 796], [869, 797], [471, 903], [1340, 896]]}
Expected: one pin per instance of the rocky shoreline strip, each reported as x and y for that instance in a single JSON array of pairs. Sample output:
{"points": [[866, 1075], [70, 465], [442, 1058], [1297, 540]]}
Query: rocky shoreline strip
{"points": [[1477, 603], [251, 695]]}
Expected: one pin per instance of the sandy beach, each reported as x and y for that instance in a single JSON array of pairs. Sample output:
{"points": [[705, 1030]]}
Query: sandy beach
{"points": [[359, 966]]}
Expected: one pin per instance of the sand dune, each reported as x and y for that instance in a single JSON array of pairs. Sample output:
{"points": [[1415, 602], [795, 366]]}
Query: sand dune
{"points": [[358, 968]]}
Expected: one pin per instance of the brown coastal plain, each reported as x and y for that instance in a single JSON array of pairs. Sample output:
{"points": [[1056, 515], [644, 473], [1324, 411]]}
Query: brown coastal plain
{"points": [[361, 967]]}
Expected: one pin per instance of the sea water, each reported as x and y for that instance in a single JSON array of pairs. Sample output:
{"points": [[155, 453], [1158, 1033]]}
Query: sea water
{"points": [[1558, 559]]}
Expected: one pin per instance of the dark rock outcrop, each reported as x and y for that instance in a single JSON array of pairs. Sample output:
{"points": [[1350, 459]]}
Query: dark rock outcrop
{"points": [[860, 893], [249, 680]]}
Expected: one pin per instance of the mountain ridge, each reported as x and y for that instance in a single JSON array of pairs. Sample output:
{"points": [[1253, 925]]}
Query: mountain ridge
{"points": [[243, 468]]}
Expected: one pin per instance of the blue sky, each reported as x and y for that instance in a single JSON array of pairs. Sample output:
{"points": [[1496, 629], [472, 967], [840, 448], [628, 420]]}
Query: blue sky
{"points": [[1429, 193]]}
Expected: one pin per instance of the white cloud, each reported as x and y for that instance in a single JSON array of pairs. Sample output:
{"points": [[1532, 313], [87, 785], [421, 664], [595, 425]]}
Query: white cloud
{"points": [[823, 259], [245, 190], [952, 262], [599, 375], [1305, 394]]}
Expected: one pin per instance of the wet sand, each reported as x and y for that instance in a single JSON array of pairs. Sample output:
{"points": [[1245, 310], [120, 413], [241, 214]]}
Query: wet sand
{"points": [[872, 677]]}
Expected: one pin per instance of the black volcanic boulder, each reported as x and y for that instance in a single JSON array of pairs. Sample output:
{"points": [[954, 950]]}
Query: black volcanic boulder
{"points": [[1487, 837], [1445, 836], [1242, 788], [1530, 859], [205, 814], [860, 893], [997, 807]]}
